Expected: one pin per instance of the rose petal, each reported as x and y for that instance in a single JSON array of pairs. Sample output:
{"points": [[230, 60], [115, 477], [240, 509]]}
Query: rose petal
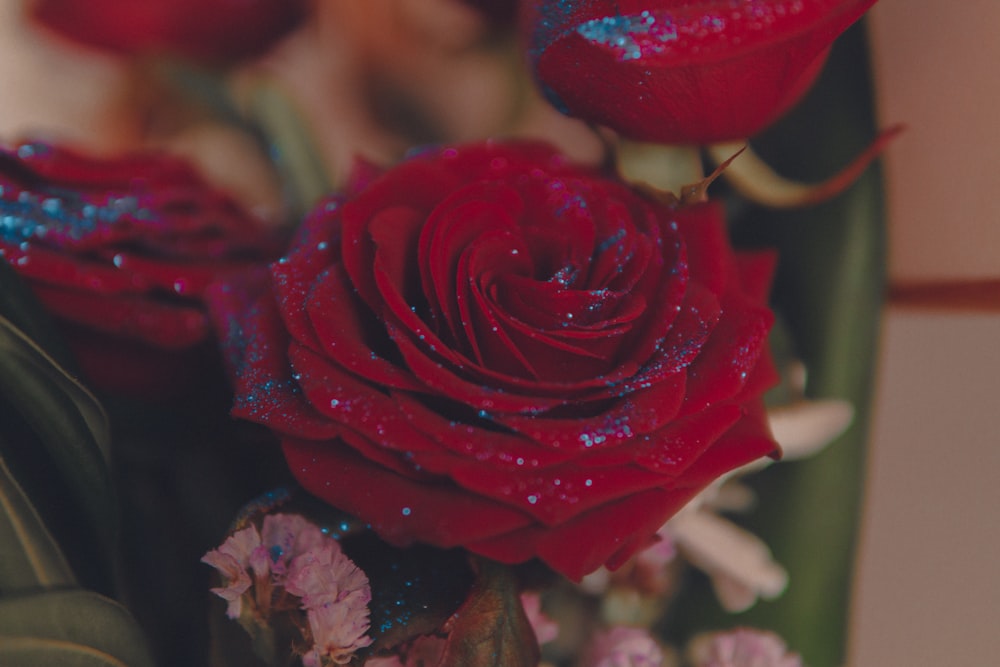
{"points": [[483, 443], [163, 325], [316, 247], [344, 333], [401, 510], [457, 222], [617, 422], [554, 496], [125, 247], [591, 539], [265, 390], [354, 404], [730, 354]]}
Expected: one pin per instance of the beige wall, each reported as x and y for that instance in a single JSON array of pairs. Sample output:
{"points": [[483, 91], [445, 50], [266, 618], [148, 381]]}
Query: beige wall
{"points": [[936, 67], [928, 586], [51, 90]]}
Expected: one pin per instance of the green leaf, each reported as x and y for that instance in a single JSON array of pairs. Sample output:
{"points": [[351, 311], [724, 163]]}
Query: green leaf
{"points": [[70, 627], [56, 443], [29, 557], [20, 306], [301, 167], [18, 353]]}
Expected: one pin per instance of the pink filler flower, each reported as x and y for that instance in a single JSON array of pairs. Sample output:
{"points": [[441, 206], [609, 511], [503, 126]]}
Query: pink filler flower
{"points": [[290, 555]]}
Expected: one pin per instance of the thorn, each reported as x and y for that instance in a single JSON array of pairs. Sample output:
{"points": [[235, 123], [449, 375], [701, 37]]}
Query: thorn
{"points": [[757, 181], [698, 192]]}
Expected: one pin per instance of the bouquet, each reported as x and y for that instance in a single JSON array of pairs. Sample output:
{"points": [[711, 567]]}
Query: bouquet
{"points": [[440, 334]]}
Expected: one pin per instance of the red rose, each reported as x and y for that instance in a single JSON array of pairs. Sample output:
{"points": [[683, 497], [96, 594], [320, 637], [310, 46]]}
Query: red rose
{"points": [[210, 30], [682, 71], [121, 253], [492, 348]]}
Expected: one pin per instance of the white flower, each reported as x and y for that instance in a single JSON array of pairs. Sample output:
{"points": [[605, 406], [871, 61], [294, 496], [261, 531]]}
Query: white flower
{"points": [[232, 560], [339, 628], [335, 595], [325, 573], [299, 573], [285, 536]]}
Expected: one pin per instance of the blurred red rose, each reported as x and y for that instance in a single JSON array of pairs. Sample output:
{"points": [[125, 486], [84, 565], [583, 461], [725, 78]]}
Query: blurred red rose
{"points": [[121, 252], [682, 71], [491, 348], [210, 30]]}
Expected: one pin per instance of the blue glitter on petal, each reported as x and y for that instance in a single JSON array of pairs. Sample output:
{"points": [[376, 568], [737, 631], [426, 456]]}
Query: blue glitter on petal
{"points": [[61, 215], [632, 37]]}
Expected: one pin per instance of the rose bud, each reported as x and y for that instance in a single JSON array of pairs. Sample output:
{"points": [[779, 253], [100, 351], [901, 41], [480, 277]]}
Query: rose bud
{"points": [[682, 71], [489, 347], [207, 30], [121, 252]]}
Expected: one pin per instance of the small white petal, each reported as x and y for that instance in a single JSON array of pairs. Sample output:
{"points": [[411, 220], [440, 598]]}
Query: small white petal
{"points": [[597, 582], [805, 427], [734, 497], [734, 595], [723, 549]]}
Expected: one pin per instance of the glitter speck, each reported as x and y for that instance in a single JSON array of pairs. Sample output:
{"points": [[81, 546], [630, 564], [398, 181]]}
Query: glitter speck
{"points": [[632, 36], [406, 511]]}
